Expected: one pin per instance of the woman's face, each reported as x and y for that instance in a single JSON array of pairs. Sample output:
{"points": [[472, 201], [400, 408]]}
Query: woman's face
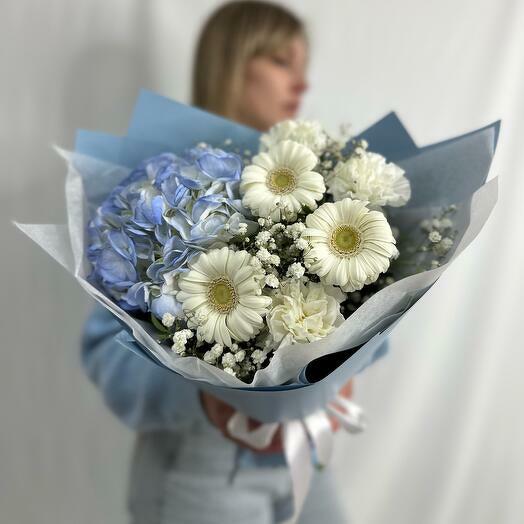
{"points": [[274, 85]]}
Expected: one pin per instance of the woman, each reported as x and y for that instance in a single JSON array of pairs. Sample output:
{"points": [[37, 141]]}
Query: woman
{"points": [[250, 64], [250, 67]]}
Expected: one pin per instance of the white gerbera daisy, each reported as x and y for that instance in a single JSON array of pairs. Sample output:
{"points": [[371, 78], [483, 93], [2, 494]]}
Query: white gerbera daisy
{"points": [[350, 245], [280, 182], [224, 290], [367, 176]]}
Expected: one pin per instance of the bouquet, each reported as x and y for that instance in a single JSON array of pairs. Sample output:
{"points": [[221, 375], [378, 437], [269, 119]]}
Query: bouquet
{"points": [[269, 267], [232, 258]]}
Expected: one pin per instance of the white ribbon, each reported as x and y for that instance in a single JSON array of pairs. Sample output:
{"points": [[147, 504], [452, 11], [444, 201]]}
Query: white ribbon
{"points": [[300, 437], [350, 415], [258, 438]]}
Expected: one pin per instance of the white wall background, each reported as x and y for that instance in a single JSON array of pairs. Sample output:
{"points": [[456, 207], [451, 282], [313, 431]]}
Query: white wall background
{"points": [[446, 439]]}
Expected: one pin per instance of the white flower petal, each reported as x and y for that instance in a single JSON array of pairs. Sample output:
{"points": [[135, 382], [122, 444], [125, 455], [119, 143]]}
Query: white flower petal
{"points": [[281, 176], [306, 132], [222, 283], [264, 161], [350, 245], [366, 176], [303, 312]]}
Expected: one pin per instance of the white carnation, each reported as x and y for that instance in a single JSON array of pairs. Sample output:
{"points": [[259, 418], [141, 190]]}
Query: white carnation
{"points": [[368, 177], [304, 312], [306, 132]]}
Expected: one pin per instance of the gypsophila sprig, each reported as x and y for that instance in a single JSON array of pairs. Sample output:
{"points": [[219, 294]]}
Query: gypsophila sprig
{"points": [[433, 245], [440, 235]]}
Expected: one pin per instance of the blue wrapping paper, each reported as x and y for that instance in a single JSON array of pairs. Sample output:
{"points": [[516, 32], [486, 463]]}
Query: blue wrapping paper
{"points": [[452, 171]]}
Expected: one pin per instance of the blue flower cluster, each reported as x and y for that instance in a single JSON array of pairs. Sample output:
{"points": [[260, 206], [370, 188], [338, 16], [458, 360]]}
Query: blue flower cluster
{"points": [[165, 212]]}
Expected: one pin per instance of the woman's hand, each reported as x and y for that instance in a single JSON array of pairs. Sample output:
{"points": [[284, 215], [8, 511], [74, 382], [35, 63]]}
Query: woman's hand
{"points": [[347, 392], [219, 412]]}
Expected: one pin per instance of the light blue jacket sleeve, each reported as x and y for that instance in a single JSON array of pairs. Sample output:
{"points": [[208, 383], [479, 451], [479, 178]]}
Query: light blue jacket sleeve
{"points": [[140, 393]]}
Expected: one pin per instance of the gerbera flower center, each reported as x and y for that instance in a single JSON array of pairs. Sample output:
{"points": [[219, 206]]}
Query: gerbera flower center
{"points": [[281, 180], [222, 294], [345, 240]]}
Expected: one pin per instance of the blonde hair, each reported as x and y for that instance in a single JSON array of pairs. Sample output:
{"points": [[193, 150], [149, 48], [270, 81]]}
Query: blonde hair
{"points": [[233, 34]]}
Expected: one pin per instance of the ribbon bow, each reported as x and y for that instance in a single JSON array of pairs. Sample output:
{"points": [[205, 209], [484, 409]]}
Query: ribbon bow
{"points": [[303, 439]]}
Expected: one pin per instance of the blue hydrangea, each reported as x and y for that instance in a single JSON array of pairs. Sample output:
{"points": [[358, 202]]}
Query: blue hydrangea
{"points": [[163, 214]]}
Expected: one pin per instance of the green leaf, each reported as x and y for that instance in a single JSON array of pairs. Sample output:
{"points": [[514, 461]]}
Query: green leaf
{"points": [[158, 325]]}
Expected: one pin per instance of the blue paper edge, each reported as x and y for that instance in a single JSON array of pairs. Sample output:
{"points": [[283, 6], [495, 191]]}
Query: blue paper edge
{"points": [[98, 144], [109, 147], [390, 124], [147, 97], [407, 146], [495, 126]]}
